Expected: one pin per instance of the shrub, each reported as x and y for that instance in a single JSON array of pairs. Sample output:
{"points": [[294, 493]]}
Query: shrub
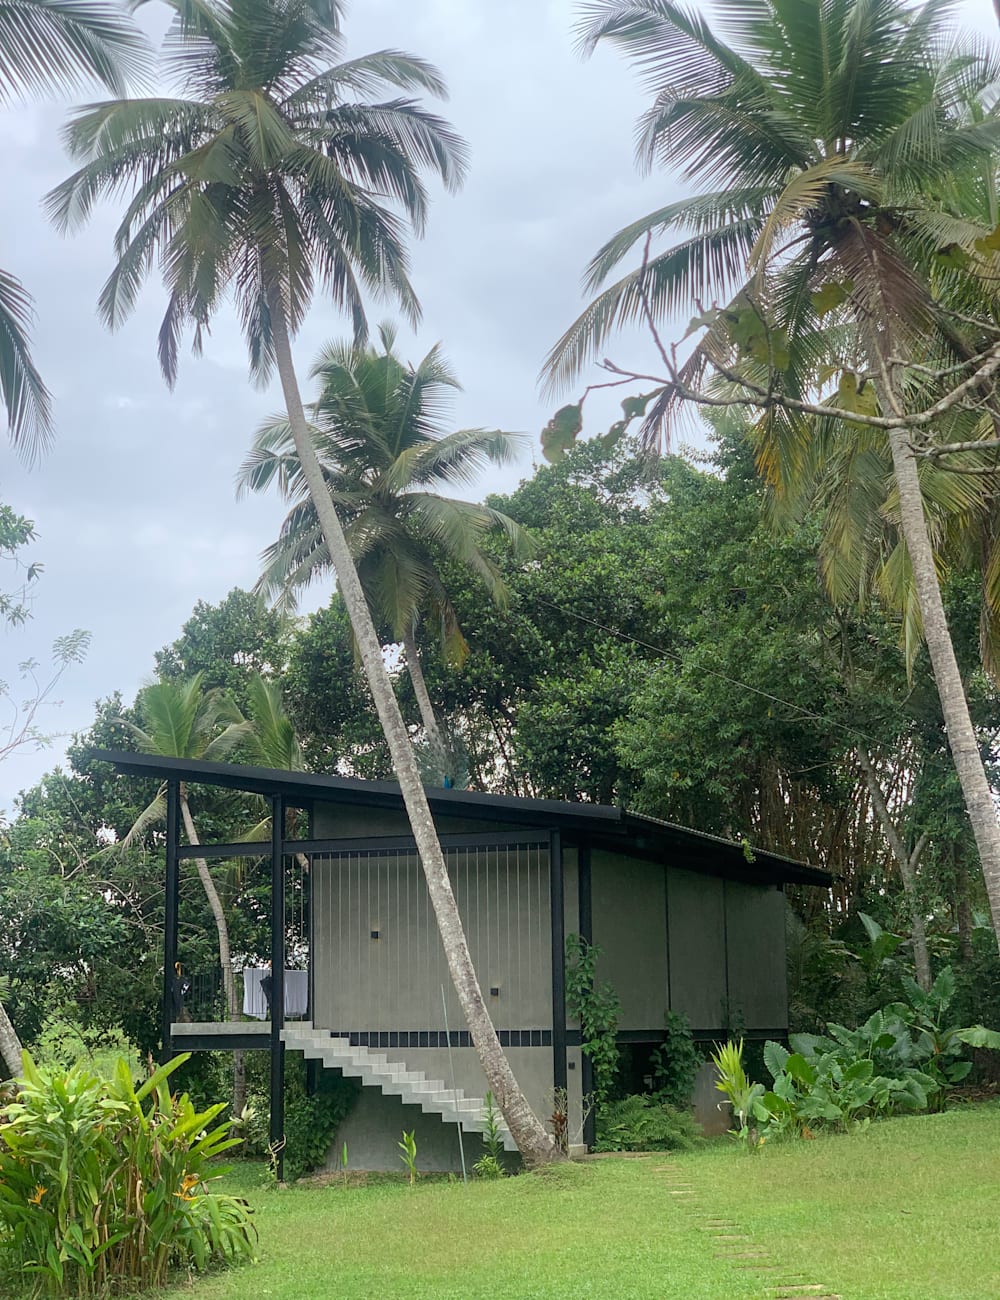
{"points": [[311, 1123], [597, 1007], [675, 1062], [641, 1123], [103, 1183]]}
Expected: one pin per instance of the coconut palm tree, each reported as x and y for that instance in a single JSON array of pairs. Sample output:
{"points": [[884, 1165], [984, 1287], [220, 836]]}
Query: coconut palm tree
{"points": [[831, 134], [48, 47], [273, 174], [183, 720], [378, 430]]}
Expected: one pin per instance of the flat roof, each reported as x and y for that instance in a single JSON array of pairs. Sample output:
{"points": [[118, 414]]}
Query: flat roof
{"points": [[601, 825]]}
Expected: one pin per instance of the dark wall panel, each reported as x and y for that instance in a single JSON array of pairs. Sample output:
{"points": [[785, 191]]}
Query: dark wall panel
{"points": [[697, 926], [755, 930]]}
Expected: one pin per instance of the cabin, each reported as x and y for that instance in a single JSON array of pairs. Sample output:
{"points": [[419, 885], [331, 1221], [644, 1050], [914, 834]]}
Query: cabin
{"points": [[358, 982]]}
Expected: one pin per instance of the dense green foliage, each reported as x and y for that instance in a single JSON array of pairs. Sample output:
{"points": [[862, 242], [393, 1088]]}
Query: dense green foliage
{"points": [[103, 1183], [597, 1007], [639, 1123]]}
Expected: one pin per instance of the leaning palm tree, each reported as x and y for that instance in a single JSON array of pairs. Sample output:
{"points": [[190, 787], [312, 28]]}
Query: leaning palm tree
{"points": [[270, 175], [378, 431], [46, 47], [183, 720], [831, 134]]}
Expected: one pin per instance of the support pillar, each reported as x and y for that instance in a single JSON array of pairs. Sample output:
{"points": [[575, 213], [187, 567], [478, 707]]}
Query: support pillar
{"points": [[170, 907], [560, 1075], [277, 1125]]}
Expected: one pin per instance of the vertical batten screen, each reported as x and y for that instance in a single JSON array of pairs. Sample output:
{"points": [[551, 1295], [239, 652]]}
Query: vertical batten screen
{"points": [[378, 959]]}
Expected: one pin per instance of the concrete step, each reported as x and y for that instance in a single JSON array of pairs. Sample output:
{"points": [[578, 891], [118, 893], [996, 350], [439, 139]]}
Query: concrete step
{"points": [[393, 1078]]}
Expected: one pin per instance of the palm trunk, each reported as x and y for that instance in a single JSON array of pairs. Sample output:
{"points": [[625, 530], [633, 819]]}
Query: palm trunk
{"points": [[533, 1142], [439, 751], [10, 1045], [225, 957], [951, 692], [907, 863]]}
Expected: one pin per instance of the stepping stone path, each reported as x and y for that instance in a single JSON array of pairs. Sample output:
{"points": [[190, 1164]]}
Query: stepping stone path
{"points": [[734, 1244]]}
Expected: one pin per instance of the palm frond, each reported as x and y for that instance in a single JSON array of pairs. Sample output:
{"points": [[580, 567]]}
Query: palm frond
{"points": [[22, 392], [59, 45]]}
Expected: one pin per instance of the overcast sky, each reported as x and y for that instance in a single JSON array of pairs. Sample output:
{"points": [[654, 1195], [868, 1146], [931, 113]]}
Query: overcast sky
{"points": [[134, 504]]}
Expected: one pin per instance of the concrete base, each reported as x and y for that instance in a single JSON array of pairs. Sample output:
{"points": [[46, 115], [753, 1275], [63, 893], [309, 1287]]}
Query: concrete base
{"points": [[711, 1109], [375, 1126]]}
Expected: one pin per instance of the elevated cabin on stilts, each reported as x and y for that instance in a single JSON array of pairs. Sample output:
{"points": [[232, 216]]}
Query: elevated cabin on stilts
{"points": [[685, 922]]}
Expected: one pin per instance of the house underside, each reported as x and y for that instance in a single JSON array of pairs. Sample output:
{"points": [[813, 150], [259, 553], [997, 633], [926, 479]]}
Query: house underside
{"points": [[685, 922]]}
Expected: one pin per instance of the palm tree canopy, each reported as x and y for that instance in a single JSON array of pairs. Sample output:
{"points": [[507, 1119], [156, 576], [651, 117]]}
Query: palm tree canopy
{"points": [[183, 720], [51, 46], [828, 134], [273, 172], [378, 430], [48, 47], [847, 149]]}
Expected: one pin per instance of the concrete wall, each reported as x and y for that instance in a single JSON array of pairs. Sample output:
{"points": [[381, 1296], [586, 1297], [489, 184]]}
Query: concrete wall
{"points": [[629, 911], [394, 981], [376, 1125]]}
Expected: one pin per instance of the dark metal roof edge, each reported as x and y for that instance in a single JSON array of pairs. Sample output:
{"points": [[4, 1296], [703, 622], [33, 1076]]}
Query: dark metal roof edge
{"points": [[807, 873], [311, 785]]}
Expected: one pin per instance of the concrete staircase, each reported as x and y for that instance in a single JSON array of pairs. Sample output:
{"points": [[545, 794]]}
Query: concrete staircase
{"points": [[375, 1070]]}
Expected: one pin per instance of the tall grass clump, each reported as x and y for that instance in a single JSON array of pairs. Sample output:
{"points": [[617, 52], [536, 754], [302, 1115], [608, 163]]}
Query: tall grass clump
{"points": [[103, 1184]]}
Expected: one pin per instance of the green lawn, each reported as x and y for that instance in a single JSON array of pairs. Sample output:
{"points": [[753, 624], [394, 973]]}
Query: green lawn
{"points": [[904, 1211]]}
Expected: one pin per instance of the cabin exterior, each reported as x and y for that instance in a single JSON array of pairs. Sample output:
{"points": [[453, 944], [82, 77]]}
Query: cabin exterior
{"points": [[685, 922]]}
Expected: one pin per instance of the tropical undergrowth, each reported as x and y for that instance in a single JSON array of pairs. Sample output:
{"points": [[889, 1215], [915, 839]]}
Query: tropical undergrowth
{"points": [[903, 1058], [104, 1185]]}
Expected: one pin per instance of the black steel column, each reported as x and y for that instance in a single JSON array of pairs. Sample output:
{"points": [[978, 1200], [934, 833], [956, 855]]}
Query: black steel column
{"points": [[277, 1130], [557, 908], [586, 923], [170, 904]]}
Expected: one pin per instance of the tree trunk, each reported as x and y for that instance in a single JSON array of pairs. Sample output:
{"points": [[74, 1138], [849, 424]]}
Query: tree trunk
{"points": [[907, 863], [10, 1045], [963, 907], [225, 957], [438, 748], [951, 692], [535, 1145]]}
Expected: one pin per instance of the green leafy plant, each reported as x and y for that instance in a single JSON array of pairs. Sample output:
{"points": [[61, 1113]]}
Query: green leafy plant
{"points": [[312, 1121], [939, 1042], [641, 1123], [408, 1153], [103, 1183], [675, 1062], [490, 1165], [745, 1097], [848, 1076], [597, 1007]]}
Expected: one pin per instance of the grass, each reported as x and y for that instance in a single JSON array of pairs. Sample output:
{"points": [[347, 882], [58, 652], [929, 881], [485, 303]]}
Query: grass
{"points": [[906, 1209], [594, 1230], [903, 1211]]}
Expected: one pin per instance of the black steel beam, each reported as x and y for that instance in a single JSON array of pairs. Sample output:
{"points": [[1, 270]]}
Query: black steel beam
{"points": [[375, 844], [231, 1042], [277, 1125], [238, 849], [586, 923], [560, 1075], [170, 904]]}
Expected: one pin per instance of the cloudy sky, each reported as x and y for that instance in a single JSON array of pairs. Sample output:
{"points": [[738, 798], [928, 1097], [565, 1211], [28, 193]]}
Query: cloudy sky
{"points": [[134, 504]]}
